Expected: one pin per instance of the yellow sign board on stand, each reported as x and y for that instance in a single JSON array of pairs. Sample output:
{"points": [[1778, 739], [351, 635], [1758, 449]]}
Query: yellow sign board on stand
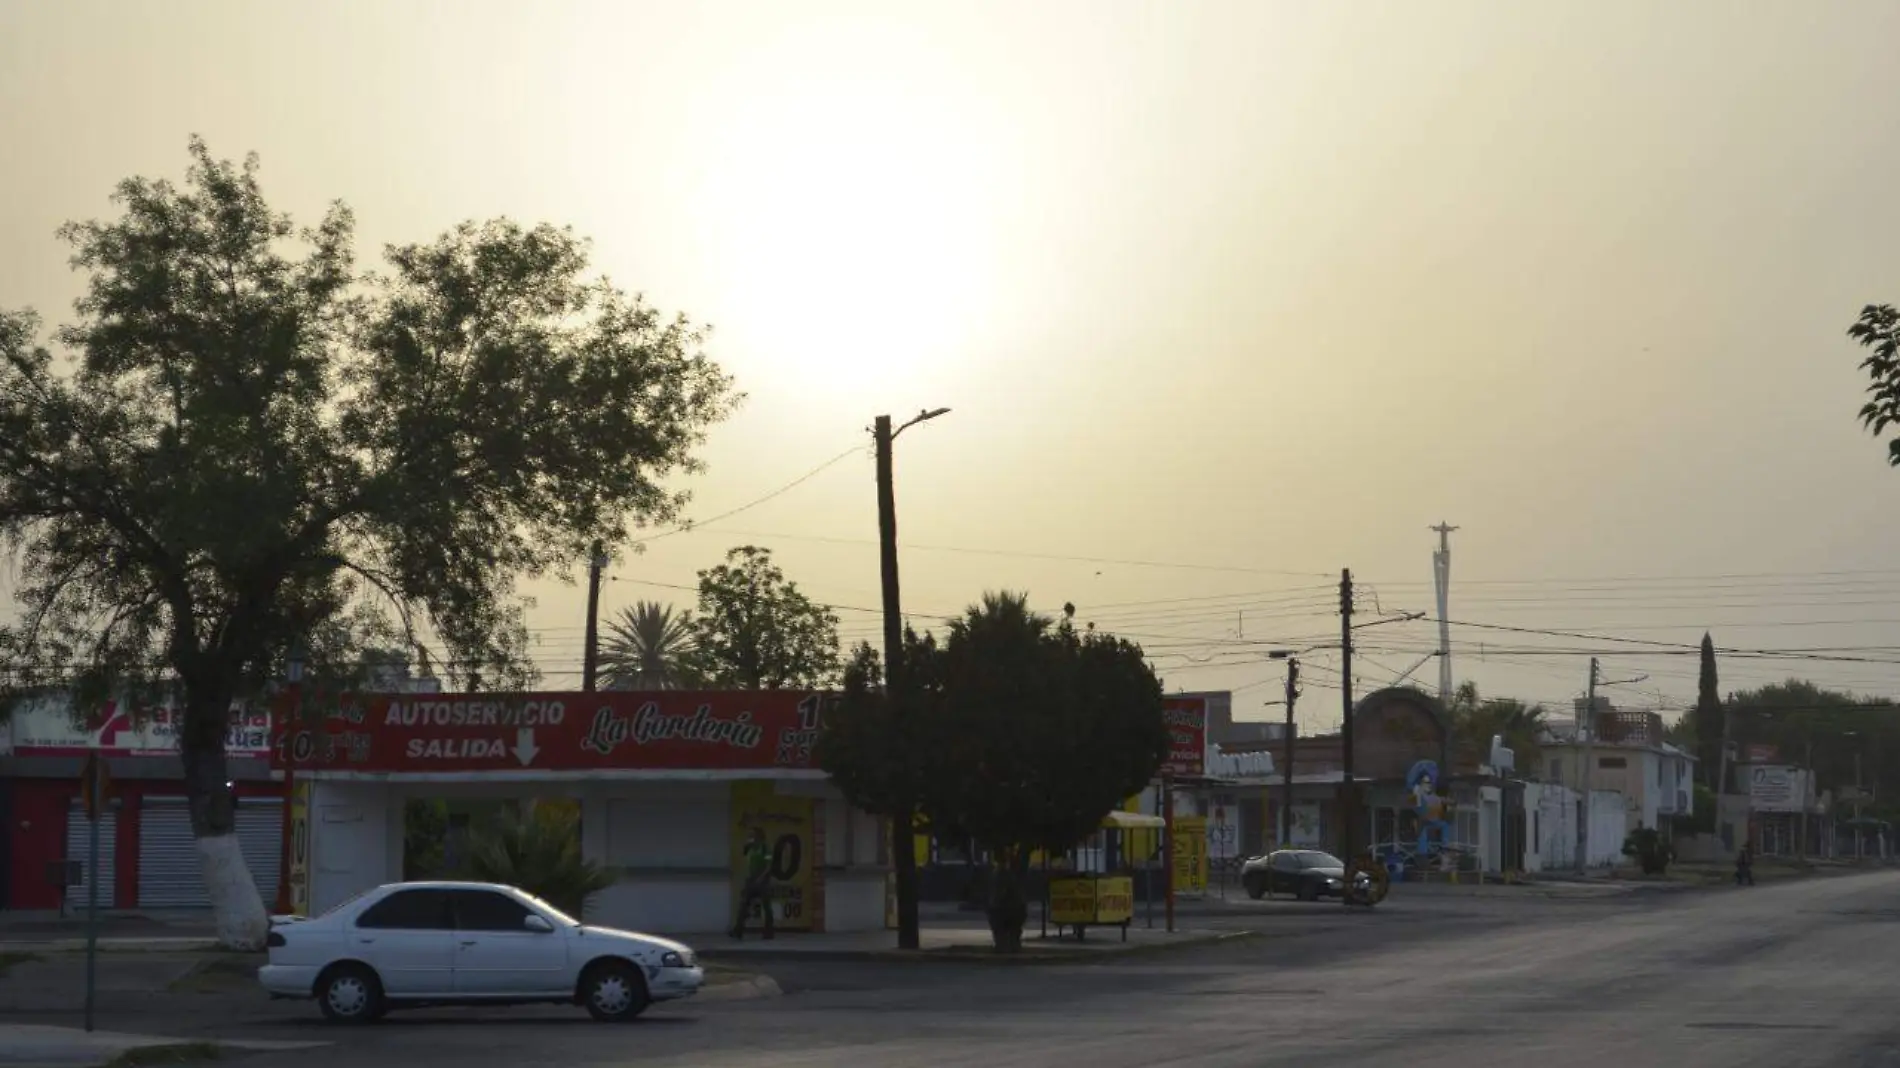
{"points": [[787, 825], [300, 848], [1190, 854]]}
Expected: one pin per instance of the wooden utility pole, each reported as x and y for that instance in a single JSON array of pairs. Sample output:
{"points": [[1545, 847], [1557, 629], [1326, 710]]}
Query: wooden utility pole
{"points": [[590, 659], [1286, 774], [1349, 792], [1589, 760], [903, 824]]}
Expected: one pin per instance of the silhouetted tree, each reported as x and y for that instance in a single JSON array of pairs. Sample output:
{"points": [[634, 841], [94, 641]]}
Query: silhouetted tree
{"points": [[249, 442], [1018, 734], [755, 630]]}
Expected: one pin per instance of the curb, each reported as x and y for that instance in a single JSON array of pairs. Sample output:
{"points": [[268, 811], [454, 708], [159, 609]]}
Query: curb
{"points": [[117, 945], [751, 989], [1029, 957]]}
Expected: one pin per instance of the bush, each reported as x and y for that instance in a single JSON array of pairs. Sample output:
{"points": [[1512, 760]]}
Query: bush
{"points": [[539, 850], [1651, 850]]}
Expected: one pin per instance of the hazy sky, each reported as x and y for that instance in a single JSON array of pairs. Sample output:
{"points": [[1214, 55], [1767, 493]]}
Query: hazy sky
{"points": [[1261, 290]]}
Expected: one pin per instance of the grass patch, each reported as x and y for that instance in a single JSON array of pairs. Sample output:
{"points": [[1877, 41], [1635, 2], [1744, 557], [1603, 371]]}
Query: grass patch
{"points": [[9, 959], [170, 1053]]}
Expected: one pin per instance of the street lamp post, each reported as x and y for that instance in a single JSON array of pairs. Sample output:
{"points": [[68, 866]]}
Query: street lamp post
{"points": [[903, 830], [293, 674]]}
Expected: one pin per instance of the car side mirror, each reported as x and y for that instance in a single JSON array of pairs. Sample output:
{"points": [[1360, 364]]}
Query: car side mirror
{"points": [[538, 924]]}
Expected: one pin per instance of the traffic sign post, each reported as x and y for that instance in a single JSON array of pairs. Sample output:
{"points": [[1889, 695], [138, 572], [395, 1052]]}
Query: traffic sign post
{"points": [[93, 785]]}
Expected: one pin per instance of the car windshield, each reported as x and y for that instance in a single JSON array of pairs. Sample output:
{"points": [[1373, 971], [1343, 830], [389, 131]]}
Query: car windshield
{"points": [[548, 910], [1320, 860]]}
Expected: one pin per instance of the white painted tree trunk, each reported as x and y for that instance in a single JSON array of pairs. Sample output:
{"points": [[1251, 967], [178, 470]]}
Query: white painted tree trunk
{"points": [[236, 906]]}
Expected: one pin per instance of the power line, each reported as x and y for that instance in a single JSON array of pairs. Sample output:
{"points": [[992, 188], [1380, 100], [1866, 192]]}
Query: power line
{"points": [[1115, 561], [782, 490]]}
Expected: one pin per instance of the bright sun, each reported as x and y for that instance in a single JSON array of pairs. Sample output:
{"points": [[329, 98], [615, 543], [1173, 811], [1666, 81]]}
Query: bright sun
{"points": [[849, 224]]}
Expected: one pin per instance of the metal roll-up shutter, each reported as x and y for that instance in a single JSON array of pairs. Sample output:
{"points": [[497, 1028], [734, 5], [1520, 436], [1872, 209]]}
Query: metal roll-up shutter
{"points": [[170, 875], [78, 848], [170, 872], [260, 829]]}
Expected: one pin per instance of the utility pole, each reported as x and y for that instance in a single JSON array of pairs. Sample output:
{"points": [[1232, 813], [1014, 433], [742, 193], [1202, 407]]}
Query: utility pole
{"points": [[903, 824], [1441, 576], [1349, 795], [1589, 762], [590, 660], [1286, 775]]}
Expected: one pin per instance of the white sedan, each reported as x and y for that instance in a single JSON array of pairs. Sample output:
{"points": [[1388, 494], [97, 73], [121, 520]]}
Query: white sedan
{"points": [[412, 944]]}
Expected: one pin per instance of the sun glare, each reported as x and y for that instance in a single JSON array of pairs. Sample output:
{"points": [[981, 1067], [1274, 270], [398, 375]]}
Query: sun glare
{"points": [[849, 224]]}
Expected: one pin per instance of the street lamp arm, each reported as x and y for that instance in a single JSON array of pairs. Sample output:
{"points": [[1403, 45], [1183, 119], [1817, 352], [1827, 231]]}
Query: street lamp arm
{"points": [[920, 417]]}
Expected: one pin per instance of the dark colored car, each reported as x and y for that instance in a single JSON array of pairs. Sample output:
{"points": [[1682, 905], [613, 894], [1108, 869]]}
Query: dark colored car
{"points": [[1307, 874]]}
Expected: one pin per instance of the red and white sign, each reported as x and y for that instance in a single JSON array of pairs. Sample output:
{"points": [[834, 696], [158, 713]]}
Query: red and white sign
{"points": [[49, 727], [1187, 736], [675, 730]]}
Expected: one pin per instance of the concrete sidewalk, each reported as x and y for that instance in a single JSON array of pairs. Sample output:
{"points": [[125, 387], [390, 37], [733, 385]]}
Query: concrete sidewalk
{"points": [[40, 1046], [953, 943]]}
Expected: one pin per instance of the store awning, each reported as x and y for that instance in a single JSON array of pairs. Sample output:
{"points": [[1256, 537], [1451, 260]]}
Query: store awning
{"points": [[1129, 821]]}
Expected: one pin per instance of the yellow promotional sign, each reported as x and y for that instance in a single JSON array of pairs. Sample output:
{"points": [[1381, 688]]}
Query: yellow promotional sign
{"points": [[1114, 899], [300, 848], [787, 825], [1072, 901], [1138, 846], [1190, 854], [1086, 900]]}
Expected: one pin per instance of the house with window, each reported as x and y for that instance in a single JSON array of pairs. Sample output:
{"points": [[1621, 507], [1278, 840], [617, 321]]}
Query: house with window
{"points": [[1620, 760]]}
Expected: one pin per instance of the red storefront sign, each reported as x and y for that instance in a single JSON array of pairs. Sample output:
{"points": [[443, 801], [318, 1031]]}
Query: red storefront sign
{"points": [[675, 730], [1187, 736]]}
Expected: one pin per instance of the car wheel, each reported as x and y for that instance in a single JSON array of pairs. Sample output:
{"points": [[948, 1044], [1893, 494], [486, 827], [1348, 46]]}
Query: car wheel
{"points": [[614, 992], [1255, 889], [1308, 892], [350, 994]]}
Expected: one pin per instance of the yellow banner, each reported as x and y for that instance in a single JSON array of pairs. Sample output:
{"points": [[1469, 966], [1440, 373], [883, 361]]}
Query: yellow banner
{"points": [[1091, 900], [1114, 899], [1071, 901], [300, 848], [787, 825], [1190, 854]]}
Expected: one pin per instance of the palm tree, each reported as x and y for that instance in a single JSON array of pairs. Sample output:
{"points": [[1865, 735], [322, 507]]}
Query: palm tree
{"points": [[1475, 720], [648, 647]]}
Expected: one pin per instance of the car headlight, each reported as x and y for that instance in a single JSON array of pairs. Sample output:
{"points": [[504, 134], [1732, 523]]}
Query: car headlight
{"points": [[670, 959], [1332, 882]]}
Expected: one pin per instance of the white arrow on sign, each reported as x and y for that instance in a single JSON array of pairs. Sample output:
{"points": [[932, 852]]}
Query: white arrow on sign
{"points": [[524, 746]]}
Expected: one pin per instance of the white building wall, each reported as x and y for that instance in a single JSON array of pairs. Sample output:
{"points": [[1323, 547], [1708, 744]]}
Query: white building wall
{"points": [[351, 841], [1609, 824], [670, 845], [1551, 812], [668, 842]]}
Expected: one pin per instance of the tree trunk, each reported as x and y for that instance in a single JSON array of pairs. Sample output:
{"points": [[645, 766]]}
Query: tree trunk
{"points": [[236, 907], [1009, 909]]}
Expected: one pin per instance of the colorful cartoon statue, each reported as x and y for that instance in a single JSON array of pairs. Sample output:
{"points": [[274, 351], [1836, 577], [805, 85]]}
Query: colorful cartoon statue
{"points": [[1422, 780]]}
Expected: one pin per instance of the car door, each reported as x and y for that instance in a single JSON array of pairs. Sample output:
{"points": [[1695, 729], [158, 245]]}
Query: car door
{"points": [[409, 938], [1283, 873], [496, 953]]}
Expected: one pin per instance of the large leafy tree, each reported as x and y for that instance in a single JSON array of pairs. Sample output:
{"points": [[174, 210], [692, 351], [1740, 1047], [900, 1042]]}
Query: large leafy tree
{"points": [[648, 646], [755, 630], [248, 442], [1017, 733]]}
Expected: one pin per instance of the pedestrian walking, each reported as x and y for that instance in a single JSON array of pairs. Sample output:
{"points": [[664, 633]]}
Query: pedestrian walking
{"points": [[758, 884], [1745, 867]]}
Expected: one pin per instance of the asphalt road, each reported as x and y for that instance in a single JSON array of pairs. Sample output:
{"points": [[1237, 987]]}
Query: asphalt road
{"points": [[1797, 973]]}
